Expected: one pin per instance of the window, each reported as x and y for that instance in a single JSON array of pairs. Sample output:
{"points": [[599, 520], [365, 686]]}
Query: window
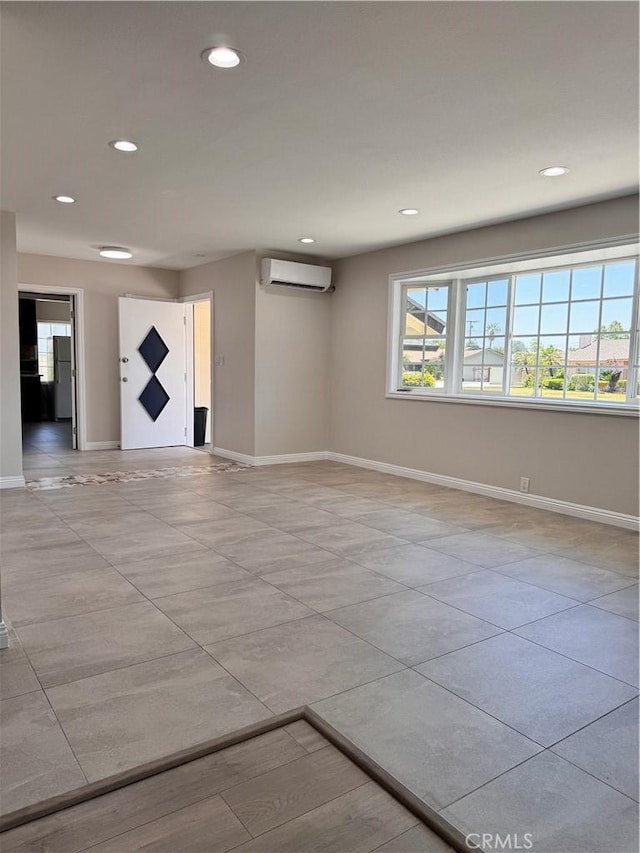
{"points": [[563, 331], [46, 333], [423, 340]]}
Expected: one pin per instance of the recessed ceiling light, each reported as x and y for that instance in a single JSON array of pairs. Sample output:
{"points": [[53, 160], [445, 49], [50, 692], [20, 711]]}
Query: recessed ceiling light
{"points": [[117, 253], [306, 240], [125, 145], [553, 171], [223, 57], [65, 199], [409, 211]]}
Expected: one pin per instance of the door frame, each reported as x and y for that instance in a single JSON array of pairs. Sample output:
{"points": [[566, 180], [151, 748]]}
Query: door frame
{"points": [[198, 297], [78, 398]]}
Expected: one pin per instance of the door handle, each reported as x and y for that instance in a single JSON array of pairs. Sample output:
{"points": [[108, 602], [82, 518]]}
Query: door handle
{"points": [[124, 379], [125, 359]]}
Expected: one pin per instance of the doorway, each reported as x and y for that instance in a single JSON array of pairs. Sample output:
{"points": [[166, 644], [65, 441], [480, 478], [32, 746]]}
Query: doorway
{"points": [[47, 370], [200, 411]]}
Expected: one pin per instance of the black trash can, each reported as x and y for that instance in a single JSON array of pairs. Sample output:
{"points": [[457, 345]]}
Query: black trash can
{"points": [[199, 425]]}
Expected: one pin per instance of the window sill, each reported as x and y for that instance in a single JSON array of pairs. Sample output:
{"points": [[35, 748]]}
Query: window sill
{"points": [[618, 409]]}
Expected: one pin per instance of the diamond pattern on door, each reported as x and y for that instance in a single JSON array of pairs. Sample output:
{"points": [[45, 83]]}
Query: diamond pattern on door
{"points": [[154, 398], [153, 350]]}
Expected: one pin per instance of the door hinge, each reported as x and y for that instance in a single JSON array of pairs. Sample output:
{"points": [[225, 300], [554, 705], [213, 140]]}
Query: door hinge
{"points": [[185, 430], [74, 431], [73, 373], [185, 377]]}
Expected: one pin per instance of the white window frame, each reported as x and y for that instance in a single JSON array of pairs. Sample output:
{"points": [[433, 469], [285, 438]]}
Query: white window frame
{"points": [[401, 336], [626, 248]]}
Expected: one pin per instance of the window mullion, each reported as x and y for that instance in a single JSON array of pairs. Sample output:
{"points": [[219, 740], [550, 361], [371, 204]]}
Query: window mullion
{"points": [[565, 371], [508, 336], [457, 342], [634, 355]]}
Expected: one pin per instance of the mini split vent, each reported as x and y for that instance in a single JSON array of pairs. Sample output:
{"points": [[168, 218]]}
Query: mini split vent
{"points": [[308, 277]]}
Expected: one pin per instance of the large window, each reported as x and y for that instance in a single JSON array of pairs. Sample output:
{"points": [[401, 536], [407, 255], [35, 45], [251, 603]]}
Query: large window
{"points": [[564, 332]]}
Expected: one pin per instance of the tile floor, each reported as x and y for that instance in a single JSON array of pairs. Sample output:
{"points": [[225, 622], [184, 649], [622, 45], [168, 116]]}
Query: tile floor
{"points": [[288, 790], [485, 653]]}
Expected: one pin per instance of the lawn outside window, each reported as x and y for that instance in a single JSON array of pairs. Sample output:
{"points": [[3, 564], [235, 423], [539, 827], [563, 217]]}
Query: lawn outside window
{"points": [[555, 332]]}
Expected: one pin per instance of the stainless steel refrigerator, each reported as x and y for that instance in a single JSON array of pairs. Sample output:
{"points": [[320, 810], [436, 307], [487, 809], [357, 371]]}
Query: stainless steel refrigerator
{"points": [[62, 384]]}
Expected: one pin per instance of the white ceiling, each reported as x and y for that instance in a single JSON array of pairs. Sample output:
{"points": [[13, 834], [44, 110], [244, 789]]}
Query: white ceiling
{"points": [[343, 113]]}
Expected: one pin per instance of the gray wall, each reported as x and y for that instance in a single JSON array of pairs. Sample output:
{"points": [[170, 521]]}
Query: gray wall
{"points": [[103, 283], [52, 312], [292, 371], [10, 428], [589, 459], [232, 281]]}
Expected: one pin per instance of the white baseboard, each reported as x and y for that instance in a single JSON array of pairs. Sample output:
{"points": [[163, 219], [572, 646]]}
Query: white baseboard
{"points": [[282, 459], [288, 458], [11, 482], [591, 513], [244, 458], [102, 445], [4, 635]]}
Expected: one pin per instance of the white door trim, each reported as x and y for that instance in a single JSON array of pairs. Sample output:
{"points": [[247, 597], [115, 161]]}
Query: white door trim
{"points": [[78, 348], [198, 297]]}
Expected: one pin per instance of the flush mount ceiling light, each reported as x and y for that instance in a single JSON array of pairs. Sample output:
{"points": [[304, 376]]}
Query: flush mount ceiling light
{"points": [[409, 211], [64, 199], [116, 253], [222, 56], [124, 145], [306, 240], [553, 171]]}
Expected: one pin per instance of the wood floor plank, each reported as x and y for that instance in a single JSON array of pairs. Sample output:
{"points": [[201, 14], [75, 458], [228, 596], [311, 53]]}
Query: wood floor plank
{"points": [[306, 735], [96, 820], [420, 839], [287, 792], [356, 822], [206, 827]]}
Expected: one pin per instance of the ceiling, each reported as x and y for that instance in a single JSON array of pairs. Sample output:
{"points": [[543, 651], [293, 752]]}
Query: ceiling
{"points": [[342, 114]]}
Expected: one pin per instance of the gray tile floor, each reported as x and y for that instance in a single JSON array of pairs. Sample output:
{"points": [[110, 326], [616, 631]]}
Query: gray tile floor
{"points": [[484, 652]]}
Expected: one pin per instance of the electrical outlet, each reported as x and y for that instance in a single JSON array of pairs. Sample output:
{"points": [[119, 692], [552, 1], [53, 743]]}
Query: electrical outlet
{"points": [[524, 484]]}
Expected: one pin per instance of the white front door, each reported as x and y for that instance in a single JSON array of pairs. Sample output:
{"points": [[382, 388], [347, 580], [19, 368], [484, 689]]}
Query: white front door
{"points": [[153, 402]]}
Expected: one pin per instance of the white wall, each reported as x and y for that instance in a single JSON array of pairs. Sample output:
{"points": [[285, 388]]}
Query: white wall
{"points": [[103, 283], [589, 459], [10, 426], [232, 281]]}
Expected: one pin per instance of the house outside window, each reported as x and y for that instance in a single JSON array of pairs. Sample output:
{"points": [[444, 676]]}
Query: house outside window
{"points": [[563, 331]]}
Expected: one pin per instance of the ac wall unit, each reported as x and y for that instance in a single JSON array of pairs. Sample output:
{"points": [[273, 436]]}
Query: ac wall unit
{"points": [[290, 274]]}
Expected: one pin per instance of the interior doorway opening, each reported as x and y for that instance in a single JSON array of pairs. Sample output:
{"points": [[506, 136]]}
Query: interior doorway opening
{"points": [[47, 371], [200, 375], [202, 402]]}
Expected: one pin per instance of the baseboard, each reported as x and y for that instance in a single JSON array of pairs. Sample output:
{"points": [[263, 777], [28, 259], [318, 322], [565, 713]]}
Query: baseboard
{"points": [[590, 513], [282, 459], [11, 482], [102, 445], [244, 458], [288, 458]]}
